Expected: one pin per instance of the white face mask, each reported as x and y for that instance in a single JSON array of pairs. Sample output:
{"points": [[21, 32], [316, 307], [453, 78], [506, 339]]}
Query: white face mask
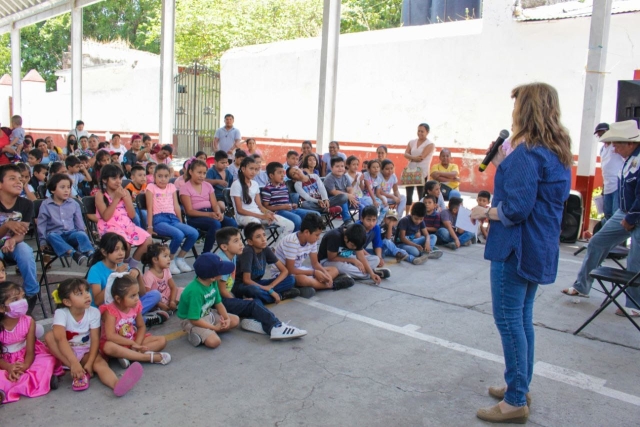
{"points": [[17, 308]]}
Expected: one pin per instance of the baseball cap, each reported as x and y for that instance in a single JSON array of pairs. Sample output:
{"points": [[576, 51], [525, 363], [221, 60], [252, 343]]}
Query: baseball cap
{"points": [[392, 213], [601, 126], [209, 265]]}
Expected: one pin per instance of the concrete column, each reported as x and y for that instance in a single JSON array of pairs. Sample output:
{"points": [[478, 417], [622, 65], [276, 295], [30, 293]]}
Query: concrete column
{"points": [[76, 65], [16, 72], [328, 74], [166, 71], [593, 87]]}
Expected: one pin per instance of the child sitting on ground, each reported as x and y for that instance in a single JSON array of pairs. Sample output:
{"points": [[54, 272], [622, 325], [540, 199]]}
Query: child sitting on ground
{"points": [[158, 277], [219, 176], [484, 200], [26, 366], [252, 265], [60, 222], [412, 234], [432, 218], [369, 219], [123, 329], [276, 197], [296, 248], [74, 339], [450, 235], [234, 167], [432, 188], [204, 315], [389, 248], [343, 248]]}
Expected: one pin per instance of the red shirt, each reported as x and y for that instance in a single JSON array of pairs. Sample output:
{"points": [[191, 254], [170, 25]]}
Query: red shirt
{"points": [[4, 141]]}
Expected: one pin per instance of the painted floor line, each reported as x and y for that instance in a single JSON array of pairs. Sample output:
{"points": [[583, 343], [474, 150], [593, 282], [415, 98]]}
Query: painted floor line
{"points": [[542, 369]]}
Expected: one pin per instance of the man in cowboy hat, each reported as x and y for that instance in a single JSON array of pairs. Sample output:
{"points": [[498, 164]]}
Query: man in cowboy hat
{"points": [[625, 137]]}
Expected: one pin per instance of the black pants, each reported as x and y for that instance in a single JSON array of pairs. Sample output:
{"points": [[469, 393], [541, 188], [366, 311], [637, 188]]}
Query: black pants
{"points": [[409, 191]]}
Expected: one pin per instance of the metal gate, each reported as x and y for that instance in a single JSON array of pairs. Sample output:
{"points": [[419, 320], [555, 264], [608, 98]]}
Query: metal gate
{"points": [[197, 109]]}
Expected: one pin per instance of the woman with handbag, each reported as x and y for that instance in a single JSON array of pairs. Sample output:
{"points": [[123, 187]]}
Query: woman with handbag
{"points": [[419, 153]]}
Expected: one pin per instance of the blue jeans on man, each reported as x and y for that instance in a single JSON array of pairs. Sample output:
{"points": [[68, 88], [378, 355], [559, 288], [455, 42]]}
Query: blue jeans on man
{"points": [[610, 235], [512, 297], [240, 290], [444, 236], [68, 242], [211, 226], [296, 216], [611, 203], [252, 309], [166, 224], [22, 255]]}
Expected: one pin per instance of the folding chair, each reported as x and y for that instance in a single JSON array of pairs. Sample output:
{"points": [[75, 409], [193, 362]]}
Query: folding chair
{"points": [[89, 203], [125, 182], [141, 201], [41, 191], [272, 229], [620, 280]]}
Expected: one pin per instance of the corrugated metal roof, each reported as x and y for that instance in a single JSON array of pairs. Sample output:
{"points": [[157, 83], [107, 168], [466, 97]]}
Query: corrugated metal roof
{"points": [[12, 7], [574, 9]]}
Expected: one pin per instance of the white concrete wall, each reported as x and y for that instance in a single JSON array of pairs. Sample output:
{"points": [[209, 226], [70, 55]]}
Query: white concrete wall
{"points": [[456, 76]]}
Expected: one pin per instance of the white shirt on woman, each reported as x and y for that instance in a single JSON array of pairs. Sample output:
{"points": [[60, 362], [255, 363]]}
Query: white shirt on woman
{"points": [[416, 150]]}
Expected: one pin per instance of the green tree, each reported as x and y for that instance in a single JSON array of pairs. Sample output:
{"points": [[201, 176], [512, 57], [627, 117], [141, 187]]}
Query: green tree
{"points": [[368, 15]]}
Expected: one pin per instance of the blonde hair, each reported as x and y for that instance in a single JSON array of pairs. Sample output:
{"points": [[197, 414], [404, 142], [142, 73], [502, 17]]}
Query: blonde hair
{"points": [[536, 120]]}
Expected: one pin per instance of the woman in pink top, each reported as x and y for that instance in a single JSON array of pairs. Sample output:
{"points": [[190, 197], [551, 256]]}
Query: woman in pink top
{"points": [[200, 204], [115, 212], [165, 218]]}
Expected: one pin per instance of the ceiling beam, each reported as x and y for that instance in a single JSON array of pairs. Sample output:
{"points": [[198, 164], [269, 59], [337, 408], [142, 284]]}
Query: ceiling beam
{"points": [[41, 12]]}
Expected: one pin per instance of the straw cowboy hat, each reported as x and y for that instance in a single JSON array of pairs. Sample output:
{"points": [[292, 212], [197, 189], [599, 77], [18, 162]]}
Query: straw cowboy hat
{"points": [[626, 131]]}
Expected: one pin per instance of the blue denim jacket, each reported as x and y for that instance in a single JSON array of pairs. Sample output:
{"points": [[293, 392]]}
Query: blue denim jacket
{"points": [[629, 188], [531, 186]]}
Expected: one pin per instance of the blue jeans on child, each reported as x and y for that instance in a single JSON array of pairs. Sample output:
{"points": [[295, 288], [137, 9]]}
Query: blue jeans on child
{"points": [[418, 241], [166, 224], [22, 255], [390, 249], [296, 216], [149, 300], [253, 309], [141, 218], [445, 237], [67, 242], [252, 291], [211, 226], [512, 298]]}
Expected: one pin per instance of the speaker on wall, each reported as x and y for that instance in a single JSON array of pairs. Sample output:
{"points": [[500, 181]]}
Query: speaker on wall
{"points": [[572, 218], [628, 106]]}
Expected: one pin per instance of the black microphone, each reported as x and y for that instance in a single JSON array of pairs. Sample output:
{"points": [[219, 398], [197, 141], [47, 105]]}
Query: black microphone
{"points": [[504, 134]]}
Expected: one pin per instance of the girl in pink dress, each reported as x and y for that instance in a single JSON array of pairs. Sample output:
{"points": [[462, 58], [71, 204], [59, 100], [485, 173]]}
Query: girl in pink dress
{"points": [[26, 366], [158, 277], [115, 212]]}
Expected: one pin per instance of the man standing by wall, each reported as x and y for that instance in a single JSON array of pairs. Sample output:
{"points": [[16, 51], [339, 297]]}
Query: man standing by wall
{"points": [[611, 165], [227, 138]]}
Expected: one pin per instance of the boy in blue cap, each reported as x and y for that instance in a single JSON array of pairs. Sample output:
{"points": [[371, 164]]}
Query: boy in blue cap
{"points": [[204, 316]]}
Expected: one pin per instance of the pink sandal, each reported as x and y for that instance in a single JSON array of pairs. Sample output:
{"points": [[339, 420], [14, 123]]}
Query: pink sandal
{"points": [[129, 379], [80, 384]]}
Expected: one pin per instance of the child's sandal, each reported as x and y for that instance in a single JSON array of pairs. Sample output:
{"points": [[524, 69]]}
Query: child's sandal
{"points": [[165, 357], [80, 384]]}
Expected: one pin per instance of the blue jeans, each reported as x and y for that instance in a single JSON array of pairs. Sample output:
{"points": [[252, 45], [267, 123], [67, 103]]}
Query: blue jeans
{"points": [[611, 204], [169, 225], [149, 300], [512, 298], [610, 235], [22, 255], [68, 242], [296, 216], [419, 241], [445, 237], [211, 226], [253, 291], [253, 309]]}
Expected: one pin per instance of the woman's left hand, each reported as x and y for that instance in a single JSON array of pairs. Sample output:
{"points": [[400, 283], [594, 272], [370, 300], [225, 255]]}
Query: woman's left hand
{"points": [[479, 212]]}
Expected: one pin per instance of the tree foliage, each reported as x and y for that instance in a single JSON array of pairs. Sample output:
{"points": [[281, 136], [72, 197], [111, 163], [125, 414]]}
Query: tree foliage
{"points": [[205, 29]]}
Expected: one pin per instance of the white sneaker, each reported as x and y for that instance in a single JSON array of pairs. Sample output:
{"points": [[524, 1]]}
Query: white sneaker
{"points": [[285, 332], [173, 268], [252, 325], [183, 266]]}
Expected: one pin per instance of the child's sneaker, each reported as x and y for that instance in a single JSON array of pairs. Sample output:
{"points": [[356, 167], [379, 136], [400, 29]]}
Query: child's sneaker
{"points": [[290, 294], [285, 332], [400, 256], [124, 363], [306, 291], [451, 245], [252, 325], [164, 316], [194, 339], [419, 260], [343, 281], [434, 254], [173, 268], [79, 258], [152, 319], [384, 273], [468, 243], [54, 382]]}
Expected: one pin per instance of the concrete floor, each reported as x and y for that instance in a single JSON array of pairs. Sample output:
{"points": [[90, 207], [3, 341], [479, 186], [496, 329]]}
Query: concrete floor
{"points": [[420, 350]]}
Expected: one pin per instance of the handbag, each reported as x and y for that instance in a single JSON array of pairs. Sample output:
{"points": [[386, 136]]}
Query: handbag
{"points": [[411, 176]]}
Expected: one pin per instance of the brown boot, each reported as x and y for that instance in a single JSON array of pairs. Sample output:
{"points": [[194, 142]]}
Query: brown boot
{"points": [[498, 393], [493, 414]]}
